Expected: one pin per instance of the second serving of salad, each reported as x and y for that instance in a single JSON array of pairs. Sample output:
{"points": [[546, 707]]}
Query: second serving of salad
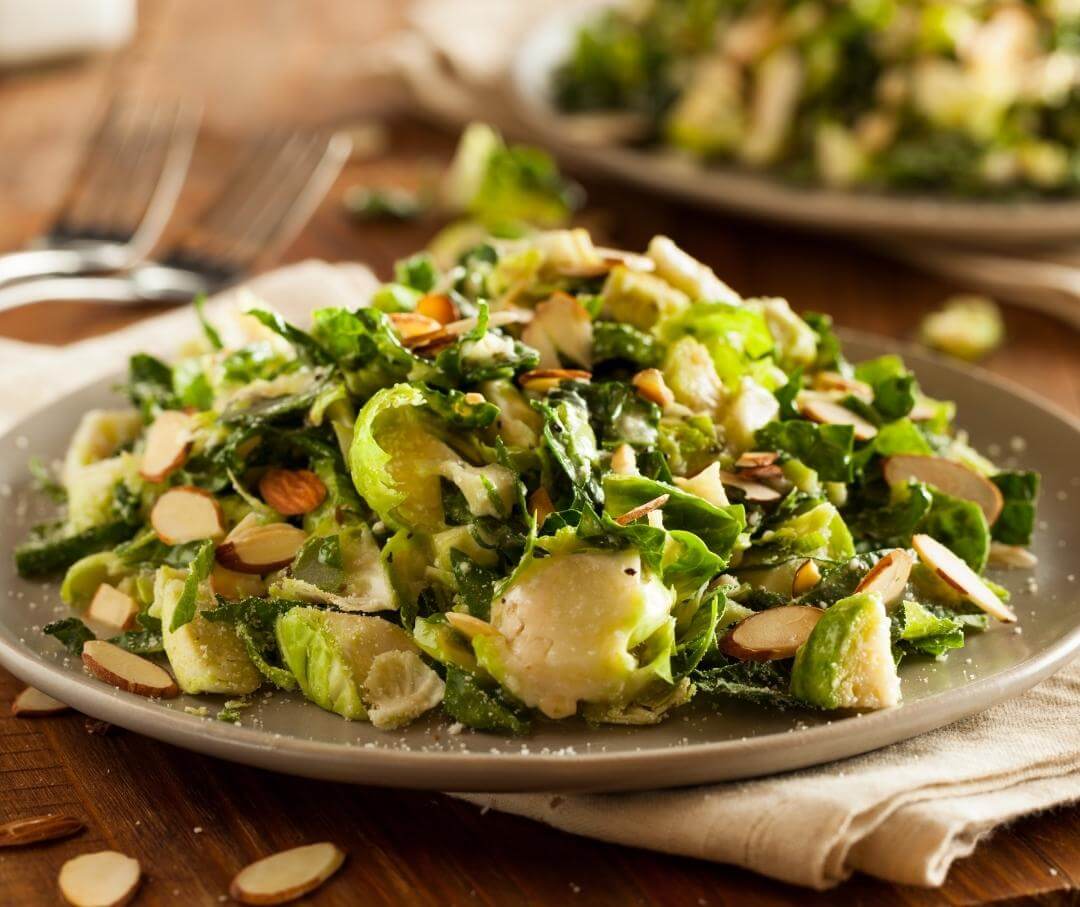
{"points": [[550, 479]]}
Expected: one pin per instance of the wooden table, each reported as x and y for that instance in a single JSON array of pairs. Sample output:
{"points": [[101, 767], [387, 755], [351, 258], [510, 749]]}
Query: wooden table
{"points": [[193, 821]]}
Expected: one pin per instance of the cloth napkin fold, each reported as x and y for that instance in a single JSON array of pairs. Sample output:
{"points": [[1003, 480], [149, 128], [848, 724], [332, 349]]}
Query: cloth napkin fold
{"points": [[903, 813]]}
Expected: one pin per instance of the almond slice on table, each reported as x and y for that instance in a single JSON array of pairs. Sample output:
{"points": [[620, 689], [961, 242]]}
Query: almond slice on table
{"points": [[112, 607], [38, 828], [753, 491], [127, 671], [753, 459], [438, 306], [642, 510], [292, 492], [470, 626], [889, 576], [772, 634], [651, 385], [806, 577], [961, 577], [286, 876], [410, 325], [261, 549], [827, 412], [186, 514], [103, 879], [950, 477], [168, 442], [32, 703]]}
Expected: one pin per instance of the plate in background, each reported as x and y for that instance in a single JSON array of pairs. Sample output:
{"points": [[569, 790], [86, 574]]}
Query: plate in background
{"points": [[698, 744]]}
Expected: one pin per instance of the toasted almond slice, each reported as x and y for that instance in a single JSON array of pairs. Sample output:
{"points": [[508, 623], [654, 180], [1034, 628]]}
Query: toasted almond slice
{"points": [[606, 260], [751, 490], [806, 577], [186, 514], [168, 442], [828, 412], [234, 586], [1011, 557], [32, 703], [772, 634], [642, 510], [38, 828], [624, 461], [540, 505], [292, 492], [127, 671], [889, 576], [286, 876], [922, 411], [947, 476], [498, 319], [438, 306], [261, 549], [561, 329], [542, 380], [412, 324], [103, 879], [752, 459], [112, 607], [961, 577], [470, 626], [834, 381], [770, 473], [651, 385], [430, 344]]}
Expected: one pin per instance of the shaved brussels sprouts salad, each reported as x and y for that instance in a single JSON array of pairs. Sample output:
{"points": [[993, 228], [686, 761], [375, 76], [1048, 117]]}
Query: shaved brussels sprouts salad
{"points": [[971, 98], [554, 479]]}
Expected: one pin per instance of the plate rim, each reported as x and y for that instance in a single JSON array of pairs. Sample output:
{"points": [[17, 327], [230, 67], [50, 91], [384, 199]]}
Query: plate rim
{"points": [[501, 771]]}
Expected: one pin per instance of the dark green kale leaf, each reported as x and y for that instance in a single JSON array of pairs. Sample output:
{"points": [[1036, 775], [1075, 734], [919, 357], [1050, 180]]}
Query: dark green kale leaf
{"points": [[254, 619], [481, 706], [827, 449], [319, 563], [761, 682], [71, 632], [613, 340], [150, 385], [1017, 520], [475, 584]]}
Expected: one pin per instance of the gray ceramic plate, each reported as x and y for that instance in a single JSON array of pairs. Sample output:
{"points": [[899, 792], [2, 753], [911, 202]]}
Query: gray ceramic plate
{"points": [[731, 740], [739, 190]]}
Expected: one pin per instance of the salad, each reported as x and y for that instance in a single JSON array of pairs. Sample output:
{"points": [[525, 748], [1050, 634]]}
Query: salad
{"points": [[971, 98], [553, 479]]}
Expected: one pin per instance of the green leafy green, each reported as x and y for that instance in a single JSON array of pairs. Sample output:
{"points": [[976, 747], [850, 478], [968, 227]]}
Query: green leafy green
{"points": [[71, 632], [827, 449], [198, 573], [483, 707], [1017, 519]]}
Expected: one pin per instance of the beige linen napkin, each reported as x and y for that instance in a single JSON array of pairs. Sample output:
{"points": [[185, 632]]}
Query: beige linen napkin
{"points": [[903, 813]]}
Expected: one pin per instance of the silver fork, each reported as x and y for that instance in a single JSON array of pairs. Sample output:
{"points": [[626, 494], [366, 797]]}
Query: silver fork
{"points": [[270, 196], [122, 196]]}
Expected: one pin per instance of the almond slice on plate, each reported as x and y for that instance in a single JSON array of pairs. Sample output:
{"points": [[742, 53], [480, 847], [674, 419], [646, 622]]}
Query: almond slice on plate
{"points": [[286, 876], [806, 577], [947, 476], [753, 491], [540, 505], [752, 459], [770, 473], [651, 385], [889, 576], [828, 412], [127, 671], [772, 634], [1011, 557], [186, 514], [38, 828], [834, 381], [103, 879], [410, 325], [541, 380], [561, 327], [112, 607], [168, 441], [292, 492], [642, 510], [261, 549], [438, 306], [470, 626], [961, 577], [32, 703]]}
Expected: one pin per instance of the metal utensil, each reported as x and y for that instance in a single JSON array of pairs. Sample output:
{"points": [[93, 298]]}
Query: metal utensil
{"points": [[122, 196], [272, 194]]}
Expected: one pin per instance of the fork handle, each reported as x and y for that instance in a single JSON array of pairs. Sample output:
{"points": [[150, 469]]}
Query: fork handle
{"points": [[149, 283], [40, 263]]}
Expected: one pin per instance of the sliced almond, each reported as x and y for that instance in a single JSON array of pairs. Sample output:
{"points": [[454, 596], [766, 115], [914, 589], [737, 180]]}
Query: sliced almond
{"points": [[950, 477], [103, 879], [642, 510], [430, 344], [499, 319], [806, 577], [624, 461], [540, 505], [753, 491], [186, 514], [292, 492], [772, 634], [286, 876], [651, 385], [827, 412], [168, 442], [561, 329], [32, 703], [542, 380], [411, 325], [38, 828], [753, 459], [889, 576], [834, 381], [605, 261], [922, 411], [961, 577], [112, 607], [127, 671], [470, 626], [438, 306], [1011, 557], [234, 586], [261, 549], [769, 473]]}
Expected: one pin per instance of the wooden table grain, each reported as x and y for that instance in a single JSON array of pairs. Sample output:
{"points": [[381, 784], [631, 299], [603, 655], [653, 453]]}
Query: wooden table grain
{"points": [[194, 821]]}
